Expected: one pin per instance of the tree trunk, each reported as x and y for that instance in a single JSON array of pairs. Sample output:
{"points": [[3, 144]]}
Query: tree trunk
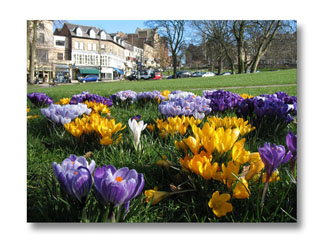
{"points": [[220, 65], [262, 49], [174, 60], [32, 50], [239, 36]]}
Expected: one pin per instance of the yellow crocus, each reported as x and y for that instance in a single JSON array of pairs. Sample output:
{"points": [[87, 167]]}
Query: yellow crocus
{"points": [[155, 195], [273, 178], [241, 190], [193, 143], [150, 127], [256, 165], [225, 139], [239, 154], [218, 203], [181, 146], [166, 93], [227, 173], [64, 101]]}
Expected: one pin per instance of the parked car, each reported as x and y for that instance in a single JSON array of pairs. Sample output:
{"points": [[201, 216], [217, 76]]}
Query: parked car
{"points": [[196, 74], [145, 74], [157, 75], [227, 73], [132, 76], [208, 74], [185, 74], [89, 78]]}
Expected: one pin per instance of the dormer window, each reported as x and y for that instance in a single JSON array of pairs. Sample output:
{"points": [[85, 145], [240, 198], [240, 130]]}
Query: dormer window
{"points": [[92, 34], [78, 31], [103, 35]]}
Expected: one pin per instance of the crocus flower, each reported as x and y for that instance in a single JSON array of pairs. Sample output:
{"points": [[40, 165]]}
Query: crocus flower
{"points": [[117, 186], [241, 190], [74, 162], [218, 203], [75, 180], [40, 99], [155, 195], [291, 141], [62, 114], [273, 156], [137, 128]]}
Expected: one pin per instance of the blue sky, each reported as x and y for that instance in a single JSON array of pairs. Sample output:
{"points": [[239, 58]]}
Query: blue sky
{"points": [[112, 26]]}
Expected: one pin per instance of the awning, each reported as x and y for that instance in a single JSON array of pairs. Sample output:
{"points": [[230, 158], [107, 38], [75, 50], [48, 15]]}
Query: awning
{"points": [[88, 71], [118, 70]]}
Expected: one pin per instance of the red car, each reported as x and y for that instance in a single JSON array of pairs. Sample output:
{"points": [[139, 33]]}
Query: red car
{"points": [[157, 76]]}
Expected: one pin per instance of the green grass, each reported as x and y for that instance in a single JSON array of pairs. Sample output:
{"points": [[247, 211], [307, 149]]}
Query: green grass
{"points": [[186, 84], [46, 204]]}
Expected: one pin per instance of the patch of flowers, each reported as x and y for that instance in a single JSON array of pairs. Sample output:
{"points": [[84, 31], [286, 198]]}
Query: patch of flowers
{"points": [[40, 99], [61, 114], [174, 125], [217, 154], [112, 187], [125, 97], [266, 113], [86, 96], [181, 104], [221, 100], [214, 157], [107, 129], [153, 97]]}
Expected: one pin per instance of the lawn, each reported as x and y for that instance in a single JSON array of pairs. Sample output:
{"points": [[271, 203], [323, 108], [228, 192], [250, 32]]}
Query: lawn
{"points": [[186, 193]]}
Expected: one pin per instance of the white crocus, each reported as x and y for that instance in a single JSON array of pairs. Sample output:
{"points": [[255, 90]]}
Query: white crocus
{"points": [[137, 128]]}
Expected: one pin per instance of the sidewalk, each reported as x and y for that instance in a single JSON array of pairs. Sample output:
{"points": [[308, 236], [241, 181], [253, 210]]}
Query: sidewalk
{"points": [[44, 85]]}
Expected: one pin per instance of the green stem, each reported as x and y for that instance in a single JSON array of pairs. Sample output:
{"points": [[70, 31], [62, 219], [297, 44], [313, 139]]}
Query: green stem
{"points": [[111, 215], [263, 195], [105, 214], [84, 218]]}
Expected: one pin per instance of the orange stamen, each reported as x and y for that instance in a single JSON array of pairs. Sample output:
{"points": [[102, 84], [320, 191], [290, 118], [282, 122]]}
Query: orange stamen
{"points": [[119, 179], [75, 173]]}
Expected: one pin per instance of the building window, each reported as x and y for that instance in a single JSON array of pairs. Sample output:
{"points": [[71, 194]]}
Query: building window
{"points": [[59, 56], [94, 47], [103, 47], [103, 35], [41, 26], [42, 55], [76, 45], [81, 45], [79, 31], [59, 42], [92, 34], [89, 47], [41, 38]]}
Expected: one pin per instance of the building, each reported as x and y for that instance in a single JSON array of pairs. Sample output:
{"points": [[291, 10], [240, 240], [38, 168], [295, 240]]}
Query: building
{"points": [[93, 51], [43, 66], [154, 47]]}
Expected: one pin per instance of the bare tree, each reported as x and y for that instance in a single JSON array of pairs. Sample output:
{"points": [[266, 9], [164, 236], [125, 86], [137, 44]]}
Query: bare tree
{"points": [[220, 32], [262, 34], [31, 47], [173, 31]]}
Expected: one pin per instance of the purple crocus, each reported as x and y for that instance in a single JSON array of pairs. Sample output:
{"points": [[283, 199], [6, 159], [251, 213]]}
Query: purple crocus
{"points": [[62, 114], [117, 187], [74, 176], [291, 141], [273, 156], [40, 99]]}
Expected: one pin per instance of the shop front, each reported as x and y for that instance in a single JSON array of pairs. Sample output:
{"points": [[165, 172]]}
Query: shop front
{"points": [[80, 72], [62, 74], [107, 73]]}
